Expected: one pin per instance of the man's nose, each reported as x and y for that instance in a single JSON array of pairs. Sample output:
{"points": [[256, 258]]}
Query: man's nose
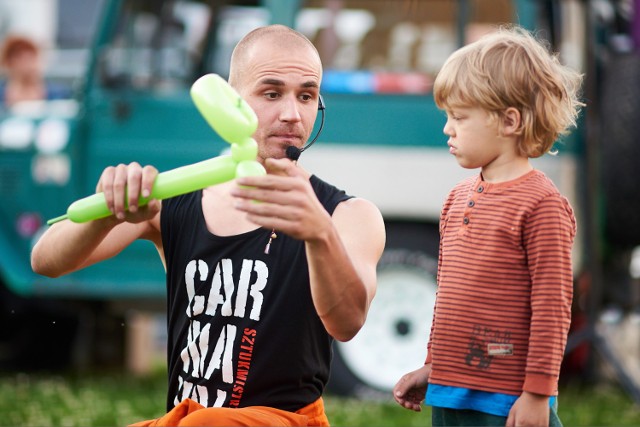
{"points": [[289, 109]]}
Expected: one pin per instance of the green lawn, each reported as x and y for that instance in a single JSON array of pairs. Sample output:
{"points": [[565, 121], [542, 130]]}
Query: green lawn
{"points": [[117, 400]]}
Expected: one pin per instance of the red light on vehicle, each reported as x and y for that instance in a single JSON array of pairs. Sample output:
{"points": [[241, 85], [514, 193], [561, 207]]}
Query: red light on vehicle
{"points": [[402, 83], [28, 224]]}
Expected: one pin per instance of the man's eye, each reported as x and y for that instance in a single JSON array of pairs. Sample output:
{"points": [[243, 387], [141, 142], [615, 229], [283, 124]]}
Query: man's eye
{"points": [[306, 97], [271, 95]]}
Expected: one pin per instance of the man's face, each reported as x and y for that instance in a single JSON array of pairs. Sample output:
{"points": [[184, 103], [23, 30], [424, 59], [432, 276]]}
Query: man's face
{"points": [[282, 87]]}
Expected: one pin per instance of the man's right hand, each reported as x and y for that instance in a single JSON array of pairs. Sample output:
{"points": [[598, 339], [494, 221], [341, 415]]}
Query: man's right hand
{"points": [[123, 185], [410, 390], [67, 246]]}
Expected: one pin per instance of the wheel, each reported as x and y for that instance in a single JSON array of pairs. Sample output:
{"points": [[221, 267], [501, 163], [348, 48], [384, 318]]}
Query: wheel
{"points": [[620, 153], [394, 339], [620, 149]]}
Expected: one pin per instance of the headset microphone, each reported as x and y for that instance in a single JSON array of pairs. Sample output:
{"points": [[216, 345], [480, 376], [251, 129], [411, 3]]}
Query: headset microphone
{"points": [[293, 152]]}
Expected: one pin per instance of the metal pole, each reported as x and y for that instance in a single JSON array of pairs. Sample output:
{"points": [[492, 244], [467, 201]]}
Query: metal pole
{"points": [[635, 26]]}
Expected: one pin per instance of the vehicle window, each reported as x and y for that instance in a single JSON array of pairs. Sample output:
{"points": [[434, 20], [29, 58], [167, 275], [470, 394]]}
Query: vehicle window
{"points": [[393, 45], [234, 22], [75, 23], [165, 45], [155, 44]]}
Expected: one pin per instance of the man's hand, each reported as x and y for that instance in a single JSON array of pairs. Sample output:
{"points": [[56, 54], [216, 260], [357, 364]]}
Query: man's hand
{"points": [[410, 390], [123, 185], [342, 249], [529, 410], [286, 200], [67, 247]]}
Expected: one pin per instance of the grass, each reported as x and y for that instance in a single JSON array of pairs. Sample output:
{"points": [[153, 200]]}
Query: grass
{"points": [[118, 400]]}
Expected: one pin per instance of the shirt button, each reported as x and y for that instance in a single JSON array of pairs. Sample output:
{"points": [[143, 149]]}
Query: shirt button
{"points": [[465, 220], [480, 189], [471, 203]]}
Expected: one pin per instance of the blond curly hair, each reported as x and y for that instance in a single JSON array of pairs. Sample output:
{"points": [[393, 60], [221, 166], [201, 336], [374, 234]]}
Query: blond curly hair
{"points": [[512, 68]]}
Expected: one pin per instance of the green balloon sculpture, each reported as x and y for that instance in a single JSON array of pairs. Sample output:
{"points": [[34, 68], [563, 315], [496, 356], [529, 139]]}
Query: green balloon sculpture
{"points": [[231, 117]]}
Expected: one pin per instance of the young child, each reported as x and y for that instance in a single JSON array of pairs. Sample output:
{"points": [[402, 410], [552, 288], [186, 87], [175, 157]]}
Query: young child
{"points": [[23, 77], [505, 285]]}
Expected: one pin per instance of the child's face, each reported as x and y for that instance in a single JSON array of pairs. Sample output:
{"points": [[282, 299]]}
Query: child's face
{"points": [[473, 137]]}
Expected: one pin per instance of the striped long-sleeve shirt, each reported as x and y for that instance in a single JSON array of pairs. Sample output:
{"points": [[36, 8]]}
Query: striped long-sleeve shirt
{"points": [[505, 286]]}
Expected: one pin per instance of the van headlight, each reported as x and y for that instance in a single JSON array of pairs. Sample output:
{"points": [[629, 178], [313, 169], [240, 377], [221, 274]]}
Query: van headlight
{"points": [[16, 133], [52, 136]]}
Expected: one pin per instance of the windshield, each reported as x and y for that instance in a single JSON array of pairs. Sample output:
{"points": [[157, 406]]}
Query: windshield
{"points": [[167, 45]]}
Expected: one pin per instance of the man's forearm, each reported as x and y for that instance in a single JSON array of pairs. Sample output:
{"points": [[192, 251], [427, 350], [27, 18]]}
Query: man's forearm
{"points": [[67, 246], [338, 289]]}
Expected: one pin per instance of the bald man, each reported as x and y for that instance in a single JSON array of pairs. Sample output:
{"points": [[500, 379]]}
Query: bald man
{"points": [[256, 291]]}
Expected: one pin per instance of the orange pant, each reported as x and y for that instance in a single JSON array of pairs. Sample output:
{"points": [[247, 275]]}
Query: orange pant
{"points": [[191, 413]]}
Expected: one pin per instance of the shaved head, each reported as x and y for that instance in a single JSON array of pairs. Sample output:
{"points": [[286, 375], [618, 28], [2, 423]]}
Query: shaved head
{"points": [[277, 37]]}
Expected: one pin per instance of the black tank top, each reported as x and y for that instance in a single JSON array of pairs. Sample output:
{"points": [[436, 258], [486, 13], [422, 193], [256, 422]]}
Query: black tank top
{"points": [[242, 328]]}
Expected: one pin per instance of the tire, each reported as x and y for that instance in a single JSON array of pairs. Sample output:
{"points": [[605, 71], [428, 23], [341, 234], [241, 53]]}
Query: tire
{"points": [[394, 339], [620, 149]]}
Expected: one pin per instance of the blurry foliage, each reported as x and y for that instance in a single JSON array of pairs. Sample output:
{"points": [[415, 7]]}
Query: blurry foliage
{"points": [[118, 399]]}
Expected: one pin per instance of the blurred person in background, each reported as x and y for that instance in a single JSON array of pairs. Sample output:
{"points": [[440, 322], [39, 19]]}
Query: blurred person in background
{"points": [[23, 74]]}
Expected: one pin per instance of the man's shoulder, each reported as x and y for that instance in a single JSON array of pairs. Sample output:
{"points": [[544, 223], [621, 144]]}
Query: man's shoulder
{"points": [[317, 182], [323, 188]]}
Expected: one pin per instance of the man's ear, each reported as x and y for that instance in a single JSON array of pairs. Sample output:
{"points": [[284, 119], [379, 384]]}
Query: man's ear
{"points": [[511, 122]]}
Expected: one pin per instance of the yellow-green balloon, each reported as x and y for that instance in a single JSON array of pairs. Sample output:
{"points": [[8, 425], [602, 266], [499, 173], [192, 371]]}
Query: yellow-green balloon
{"points": [[231, 117], [225, 111]]}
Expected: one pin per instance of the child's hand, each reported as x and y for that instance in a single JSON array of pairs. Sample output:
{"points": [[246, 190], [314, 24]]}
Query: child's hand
{"points": [[410, 390], [529, 410]]}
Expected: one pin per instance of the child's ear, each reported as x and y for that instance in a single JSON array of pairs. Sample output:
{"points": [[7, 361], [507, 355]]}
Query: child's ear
{"points": [[511, 122]]}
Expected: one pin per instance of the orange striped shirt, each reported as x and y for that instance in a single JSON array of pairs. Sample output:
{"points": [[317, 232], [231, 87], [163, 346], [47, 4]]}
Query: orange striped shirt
{"points": [[505, 285]]}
